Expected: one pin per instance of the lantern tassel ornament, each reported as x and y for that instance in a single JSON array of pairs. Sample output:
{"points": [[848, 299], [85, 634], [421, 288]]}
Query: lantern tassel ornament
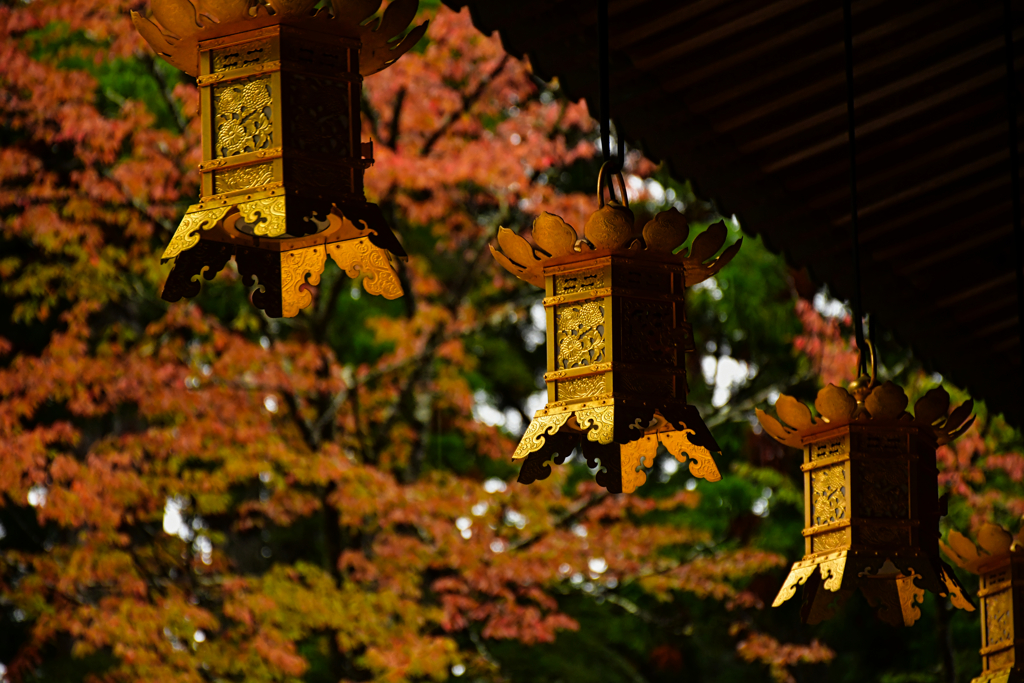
{"points": [[616, 340], [871, 503], [998, 558], [282, 171]]}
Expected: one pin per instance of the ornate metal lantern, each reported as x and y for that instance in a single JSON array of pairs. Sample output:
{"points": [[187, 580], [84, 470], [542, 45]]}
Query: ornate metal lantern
{"points": [[999, 560], [871, 503], [616, 339], [282, 171]]}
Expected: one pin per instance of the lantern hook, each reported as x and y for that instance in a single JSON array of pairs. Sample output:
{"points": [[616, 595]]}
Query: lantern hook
{"points": [[602, 180], [862, 386]]}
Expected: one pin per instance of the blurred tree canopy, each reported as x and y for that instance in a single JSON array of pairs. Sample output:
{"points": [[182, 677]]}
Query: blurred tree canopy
{"points": [[195, 492]]}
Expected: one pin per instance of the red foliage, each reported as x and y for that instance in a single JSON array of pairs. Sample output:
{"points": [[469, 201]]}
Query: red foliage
{"points": [[132, 416]]}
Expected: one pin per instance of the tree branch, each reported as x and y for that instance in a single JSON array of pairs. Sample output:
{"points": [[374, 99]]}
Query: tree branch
{"points": [[165, 90], [562, 522], [467, 104], [396, 118]]}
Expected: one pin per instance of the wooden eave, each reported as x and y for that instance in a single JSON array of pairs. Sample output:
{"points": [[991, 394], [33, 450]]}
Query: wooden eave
{"points": [[747, 98]]}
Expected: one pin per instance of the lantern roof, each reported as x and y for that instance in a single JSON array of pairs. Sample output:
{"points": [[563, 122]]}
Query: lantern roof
{"points": [[886, 402], [748, 101], [994, 544], [177, 27]]}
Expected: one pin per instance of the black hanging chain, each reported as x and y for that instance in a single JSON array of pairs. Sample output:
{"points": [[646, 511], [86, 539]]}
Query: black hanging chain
{"points": [[602, 65], [858, 310], [1018, 232], [605, 97]]}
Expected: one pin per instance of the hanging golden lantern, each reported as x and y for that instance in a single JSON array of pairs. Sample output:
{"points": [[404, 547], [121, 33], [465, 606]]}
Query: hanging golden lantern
{"points": [[999, 560], [871, 503], [616, 339], [282, 172]]}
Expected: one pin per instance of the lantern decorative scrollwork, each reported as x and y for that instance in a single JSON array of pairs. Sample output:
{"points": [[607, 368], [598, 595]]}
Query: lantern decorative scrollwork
{"points": [[283, 163], [616, 340], [871, 498], [998, 558]]}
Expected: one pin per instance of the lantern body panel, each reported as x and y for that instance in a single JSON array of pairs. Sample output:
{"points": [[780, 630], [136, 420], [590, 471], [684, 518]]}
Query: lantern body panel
{"points": [[860, 487], [616, 328]]}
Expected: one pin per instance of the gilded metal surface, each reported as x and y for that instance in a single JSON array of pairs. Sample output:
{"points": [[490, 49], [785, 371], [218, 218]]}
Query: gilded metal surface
{"points": [[239, 56], [616, 339], [837, 408], [240, 159], [830, 540], [702, 464], [243, 177], [828, 492], [830, 448], [187, 234], [180, 25], [832, 573], [998, 558], [634, 456], [580, 334], [577, 283], [610, 228], [871, 503], [361, 255], [540, 426], [295, 266], [598, 423], [999, 617], [581, 387], [955, 590], [267, 216], [243, 121], [279, 84], [797, 577]]}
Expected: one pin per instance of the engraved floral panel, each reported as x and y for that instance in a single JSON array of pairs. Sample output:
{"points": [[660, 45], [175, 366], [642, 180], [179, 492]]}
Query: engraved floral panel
{"points": [[239, 56], [242, 178], [999, 617], [828, 494], [581, 387], [573, 283], [580, 334], [243, 121], [830, 541]]}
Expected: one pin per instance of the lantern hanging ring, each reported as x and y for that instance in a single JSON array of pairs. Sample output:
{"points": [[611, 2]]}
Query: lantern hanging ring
{"points": [[863, 364], [602, 181]]}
